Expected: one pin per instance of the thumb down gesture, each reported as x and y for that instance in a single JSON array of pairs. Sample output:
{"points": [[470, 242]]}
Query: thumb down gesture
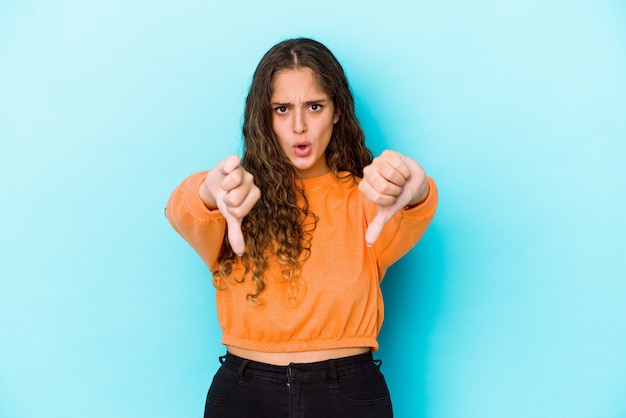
{"points": [[392, 181], [231, 189]]}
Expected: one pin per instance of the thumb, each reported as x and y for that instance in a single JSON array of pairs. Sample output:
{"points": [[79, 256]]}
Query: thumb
{"points": [[233, 225], [235, 236], [375, 227]]}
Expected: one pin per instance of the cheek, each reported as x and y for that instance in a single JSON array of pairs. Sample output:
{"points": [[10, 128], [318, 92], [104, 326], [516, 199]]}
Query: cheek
{"points": [[279, 125], [278, 128], [280, 133]]}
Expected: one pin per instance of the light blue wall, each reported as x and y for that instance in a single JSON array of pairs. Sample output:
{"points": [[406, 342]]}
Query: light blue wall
{"points": [[511, 306]]}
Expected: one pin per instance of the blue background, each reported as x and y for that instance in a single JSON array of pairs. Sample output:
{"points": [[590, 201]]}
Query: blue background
{"points": [[512, 305]]}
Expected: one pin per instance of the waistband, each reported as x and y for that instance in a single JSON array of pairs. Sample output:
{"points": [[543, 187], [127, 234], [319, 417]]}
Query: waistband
{"points": [[301, 372]]}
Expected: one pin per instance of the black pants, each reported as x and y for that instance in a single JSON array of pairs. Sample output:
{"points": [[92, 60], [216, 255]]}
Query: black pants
{"points": [[346, 387]]}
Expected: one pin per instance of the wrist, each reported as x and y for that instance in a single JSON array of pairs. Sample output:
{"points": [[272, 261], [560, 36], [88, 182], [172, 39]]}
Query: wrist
{"points": [[207, 197], [420, 196]]}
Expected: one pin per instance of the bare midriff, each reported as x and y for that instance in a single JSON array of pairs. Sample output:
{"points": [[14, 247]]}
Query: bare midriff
{"points": [[285, 359]]}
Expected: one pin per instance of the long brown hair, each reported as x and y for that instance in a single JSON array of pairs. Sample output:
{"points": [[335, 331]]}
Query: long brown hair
{"points": [[278, 227]]}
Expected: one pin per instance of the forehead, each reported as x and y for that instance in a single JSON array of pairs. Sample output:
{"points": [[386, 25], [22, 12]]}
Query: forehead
{"points": [[301, 81]]}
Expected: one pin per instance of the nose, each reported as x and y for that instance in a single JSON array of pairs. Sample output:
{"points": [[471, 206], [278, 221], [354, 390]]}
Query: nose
{"points": [[299, 122]]}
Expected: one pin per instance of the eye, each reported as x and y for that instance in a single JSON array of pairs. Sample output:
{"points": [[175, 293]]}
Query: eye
{"points": [[316, 107], [280, 109]]}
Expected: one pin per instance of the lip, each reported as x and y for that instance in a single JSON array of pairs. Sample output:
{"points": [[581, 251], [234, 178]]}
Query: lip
{"points": [[302, 149]]}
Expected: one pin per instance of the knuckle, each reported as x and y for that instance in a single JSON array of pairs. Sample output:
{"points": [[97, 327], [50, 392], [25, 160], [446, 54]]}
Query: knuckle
{"points": [[381, 184], [228, 199], [255, 193], [237, 198], [237, 211], [383, 200], [237, 176]]}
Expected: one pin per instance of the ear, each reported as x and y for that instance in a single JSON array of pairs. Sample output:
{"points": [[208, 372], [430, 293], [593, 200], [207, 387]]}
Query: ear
{"points": [[336, 118]]}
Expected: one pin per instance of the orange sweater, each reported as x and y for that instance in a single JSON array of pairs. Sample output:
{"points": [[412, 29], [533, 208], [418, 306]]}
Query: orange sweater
{"points": [[339, 299]]}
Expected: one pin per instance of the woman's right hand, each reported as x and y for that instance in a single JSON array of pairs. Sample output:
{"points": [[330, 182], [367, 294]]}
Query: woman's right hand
{"points": [[231, 189]]}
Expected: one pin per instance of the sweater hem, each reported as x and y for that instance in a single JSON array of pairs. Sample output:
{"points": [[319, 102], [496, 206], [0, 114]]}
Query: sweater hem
{"points": [[300, 346]]}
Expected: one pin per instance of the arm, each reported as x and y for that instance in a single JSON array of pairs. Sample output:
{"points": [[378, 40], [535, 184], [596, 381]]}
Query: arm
{"points": [[205, 203], [202, 228], [405, 229]]}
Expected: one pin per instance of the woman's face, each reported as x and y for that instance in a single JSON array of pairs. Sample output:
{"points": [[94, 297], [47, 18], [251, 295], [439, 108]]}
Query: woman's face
{"points": [[303, 120]]}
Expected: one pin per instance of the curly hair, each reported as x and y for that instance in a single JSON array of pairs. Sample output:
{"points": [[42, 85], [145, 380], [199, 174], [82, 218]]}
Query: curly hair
{"points": [[280, 225]]}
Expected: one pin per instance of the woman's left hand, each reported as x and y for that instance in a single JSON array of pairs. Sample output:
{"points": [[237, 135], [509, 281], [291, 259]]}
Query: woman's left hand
{"points": [[392, 181]]}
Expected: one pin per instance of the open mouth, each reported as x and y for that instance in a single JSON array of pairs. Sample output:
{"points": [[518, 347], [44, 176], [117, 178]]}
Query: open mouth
{"points": [[302, 150]]}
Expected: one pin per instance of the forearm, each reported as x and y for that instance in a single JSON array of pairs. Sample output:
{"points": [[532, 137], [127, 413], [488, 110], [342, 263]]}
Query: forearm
{"points": [[200, 226]]}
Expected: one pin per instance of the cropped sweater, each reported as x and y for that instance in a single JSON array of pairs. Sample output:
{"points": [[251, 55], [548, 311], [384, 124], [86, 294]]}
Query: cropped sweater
{"points": [[337, 302]]}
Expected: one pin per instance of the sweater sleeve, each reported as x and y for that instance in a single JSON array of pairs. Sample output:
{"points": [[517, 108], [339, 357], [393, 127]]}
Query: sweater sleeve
{"points": [[202, 228], [405, 229]]}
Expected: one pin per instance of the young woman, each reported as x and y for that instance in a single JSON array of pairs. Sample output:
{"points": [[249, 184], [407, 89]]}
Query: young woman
{"points": [[298, 235]]}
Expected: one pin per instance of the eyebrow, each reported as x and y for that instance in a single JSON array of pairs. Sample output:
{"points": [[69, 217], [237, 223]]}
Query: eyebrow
{"points": [[308, 102]]}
